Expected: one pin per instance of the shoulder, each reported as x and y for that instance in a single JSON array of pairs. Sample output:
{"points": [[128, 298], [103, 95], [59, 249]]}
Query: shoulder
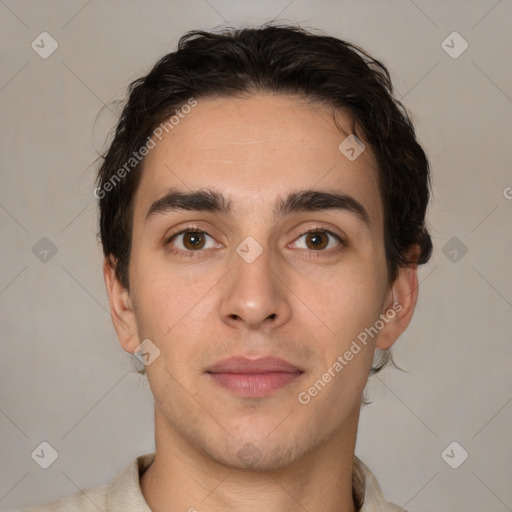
{"points": [[123, 493], [374, 500], [88, 500]]}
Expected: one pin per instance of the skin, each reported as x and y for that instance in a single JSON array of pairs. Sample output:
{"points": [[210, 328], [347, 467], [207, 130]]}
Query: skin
{"points": [[287, 303]]}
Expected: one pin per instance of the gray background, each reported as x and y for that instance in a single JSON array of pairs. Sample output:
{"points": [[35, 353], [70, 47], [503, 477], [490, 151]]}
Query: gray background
{"points": [[63, 377]]}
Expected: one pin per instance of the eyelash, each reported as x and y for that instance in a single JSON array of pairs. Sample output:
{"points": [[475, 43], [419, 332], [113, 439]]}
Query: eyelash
{"points": [[312, 253]]}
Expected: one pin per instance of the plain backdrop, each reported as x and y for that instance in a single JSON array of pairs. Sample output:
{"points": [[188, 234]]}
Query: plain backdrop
{"points": [[64, 379]]}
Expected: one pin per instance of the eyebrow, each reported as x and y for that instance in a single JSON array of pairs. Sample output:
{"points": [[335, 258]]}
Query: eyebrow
{"points": [[208, 200]]}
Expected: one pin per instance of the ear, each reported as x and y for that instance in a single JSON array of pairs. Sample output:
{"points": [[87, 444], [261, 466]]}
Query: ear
{"points": [[121, 307], [401, 302]]}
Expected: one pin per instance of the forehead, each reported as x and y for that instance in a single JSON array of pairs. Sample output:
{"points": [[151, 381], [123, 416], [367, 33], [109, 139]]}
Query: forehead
{"points": [[261, 147]]}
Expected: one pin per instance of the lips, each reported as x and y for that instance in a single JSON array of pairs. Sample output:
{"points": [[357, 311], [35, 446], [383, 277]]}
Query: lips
{"points": [[260, 365], [253, 377]]}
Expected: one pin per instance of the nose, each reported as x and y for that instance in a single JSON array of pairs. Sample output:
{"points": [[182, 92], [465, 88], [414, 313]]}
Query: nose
{"points": [[255, 294]]}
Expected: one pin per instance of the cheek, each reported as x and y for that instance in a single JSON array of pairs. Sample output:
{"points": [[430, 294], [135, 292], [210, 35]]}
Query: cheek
{"points": [[155, 282], [172, 306], [347, 299]]}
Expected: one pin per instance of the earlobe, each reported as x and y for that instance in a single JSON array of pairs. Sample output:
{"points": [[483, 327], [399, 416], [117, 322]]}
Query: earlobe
{"points": [[121, 308], [400, 305]]}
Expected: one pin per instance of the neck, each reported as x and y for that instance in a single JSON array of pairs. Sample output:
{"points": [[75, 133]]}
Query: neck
{"points": [[181, 478]]}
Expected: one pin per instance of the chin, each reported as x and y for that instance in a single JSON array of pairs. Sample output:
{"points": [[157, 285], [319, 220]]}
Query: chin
{"points": [[260, 452], [255, 457]]}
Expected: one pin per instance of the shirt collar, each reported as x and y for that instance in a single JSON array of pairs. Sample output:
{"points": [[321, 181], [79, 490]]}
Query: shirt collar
{"points": [[124, 492]]}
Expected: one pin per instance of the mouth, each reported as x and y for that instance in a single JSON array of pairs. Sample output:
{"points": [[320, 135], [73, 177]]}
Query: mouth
{"points": [[253, 377]]}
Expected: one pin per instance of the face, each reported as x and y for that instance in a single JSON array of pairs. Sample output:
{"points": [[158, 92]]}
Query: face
{"points": [[258, 276]]}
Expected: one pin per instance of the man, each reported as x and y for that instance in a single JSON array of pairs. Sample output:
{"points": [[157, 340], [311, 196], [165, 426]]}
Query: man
{"points": [[262, 217]]}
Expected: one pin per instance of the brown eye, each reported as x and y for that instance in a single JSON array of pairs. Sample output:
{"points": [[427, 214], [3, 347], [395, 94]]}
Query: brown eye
{"points": [[193, 240], [317, 240], [320, 240]]}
